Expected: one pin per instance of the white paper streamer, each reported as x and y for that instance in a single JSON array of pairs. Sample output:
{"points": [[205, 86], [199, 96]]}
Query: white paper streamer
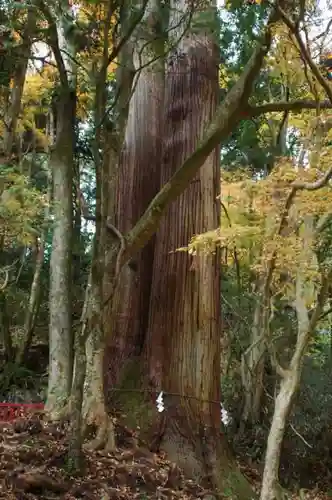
{"points": [[160, 402]]}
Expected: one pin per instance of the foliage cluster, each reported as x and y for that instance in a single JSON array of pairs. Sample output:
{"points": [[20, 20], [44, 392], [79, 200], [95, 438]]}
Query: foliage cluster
{"points": [[21, 209]]}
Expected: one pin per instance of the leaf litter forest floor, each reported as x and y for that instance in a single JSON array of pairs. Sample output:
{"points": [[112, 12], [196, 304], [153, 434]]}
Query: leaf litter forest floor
{"points": [[33, 466]]}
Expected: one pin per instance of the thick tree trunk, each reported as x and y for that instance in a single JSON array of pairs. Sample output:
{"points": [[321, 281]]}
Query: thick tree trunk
{"points": [[183, 344], [139, 177]]}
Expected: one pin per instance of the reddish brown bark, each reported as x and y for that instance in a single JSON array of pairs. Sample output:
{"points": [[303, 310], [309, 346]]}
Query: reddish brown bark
{"points": [[139, 174], [183, 342]]}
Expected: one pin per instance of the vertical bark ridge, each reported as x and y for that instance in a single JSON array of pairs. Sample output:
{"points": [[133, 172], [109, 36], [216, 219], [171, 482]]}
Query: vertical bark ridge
{"points": [[184, 337], [138, 183]]}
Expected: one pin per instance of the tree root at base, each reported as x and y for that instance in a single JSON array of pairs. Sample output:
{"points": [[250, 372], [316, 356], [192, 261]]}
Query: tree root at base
{"points": [[61, 415], [30, 482], [105, 436]]}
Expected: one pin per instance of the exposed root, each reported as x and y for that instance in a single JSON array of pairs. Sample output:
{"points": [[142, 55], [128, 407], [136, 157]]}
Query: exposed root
{"points": [[65, 413], [36, 482], [105, 435], [59, 414]]}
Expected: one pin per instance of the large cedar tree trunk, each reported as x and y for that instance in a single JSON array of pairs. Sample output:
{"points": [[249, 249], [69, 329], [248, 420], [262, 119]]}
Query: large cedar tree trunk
{"points": [[138, 182], [183, 343]]}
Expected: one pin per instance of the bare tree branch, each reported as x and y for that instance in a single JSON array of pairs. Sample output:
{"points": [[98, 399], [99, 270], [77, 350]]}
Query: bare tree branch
{"points": [[54, 42], [300, 436], [313, 186], [235, 254], [135, 21], [5, 283], [282, 106], [282, 372], [305, 52], [227, 117], [325, 313], [323, 33]]}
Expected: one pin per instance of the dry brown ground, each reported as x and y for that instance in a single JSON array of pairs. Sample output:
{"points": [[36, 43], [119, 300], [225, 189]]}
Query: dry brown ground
{"points": [[33, 466]]}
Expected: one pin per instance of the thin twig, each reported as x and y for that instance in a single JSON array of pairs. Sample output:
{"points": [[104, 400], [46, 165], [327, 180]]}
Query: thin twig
{"points": [[300, 436]]}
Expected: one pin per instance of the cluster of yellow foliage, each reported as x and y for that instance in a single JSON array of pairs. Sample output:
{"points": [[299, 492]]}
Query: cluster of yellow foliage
{"points": [[21, 206], [251, 213], [21, 209]]}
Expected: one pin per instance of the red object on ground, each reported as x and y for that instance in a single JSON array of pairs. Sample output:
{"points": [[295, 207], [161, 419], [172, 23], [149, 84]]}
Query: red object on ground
{"points": [[12, 411]]}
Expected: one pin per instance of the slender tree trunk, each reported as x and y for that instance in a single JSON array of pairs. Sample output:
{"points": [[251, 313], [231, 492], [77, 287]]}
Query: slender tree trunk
{"points": [[77, 250], [93, 404], [6, 337], [90, 409], [290, 377], [290, 380], [183, 344], [283, 404], [253, 361], [18, 84], [61, 342], [33, 305], [87, 406], [88, 358], [35, 291], [61, 358]]}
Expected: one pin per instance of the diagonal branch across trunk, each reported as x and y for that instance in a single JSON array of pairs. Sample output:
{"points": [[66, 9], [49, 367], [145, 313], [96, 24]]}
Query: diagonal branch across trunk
{"points": [[227, 116]]}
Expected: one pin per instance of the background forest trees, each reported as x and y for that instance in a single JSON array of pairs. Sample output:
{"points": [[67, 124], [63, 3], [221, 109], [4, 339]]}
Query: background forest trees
{"points": [[165, 230]]}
